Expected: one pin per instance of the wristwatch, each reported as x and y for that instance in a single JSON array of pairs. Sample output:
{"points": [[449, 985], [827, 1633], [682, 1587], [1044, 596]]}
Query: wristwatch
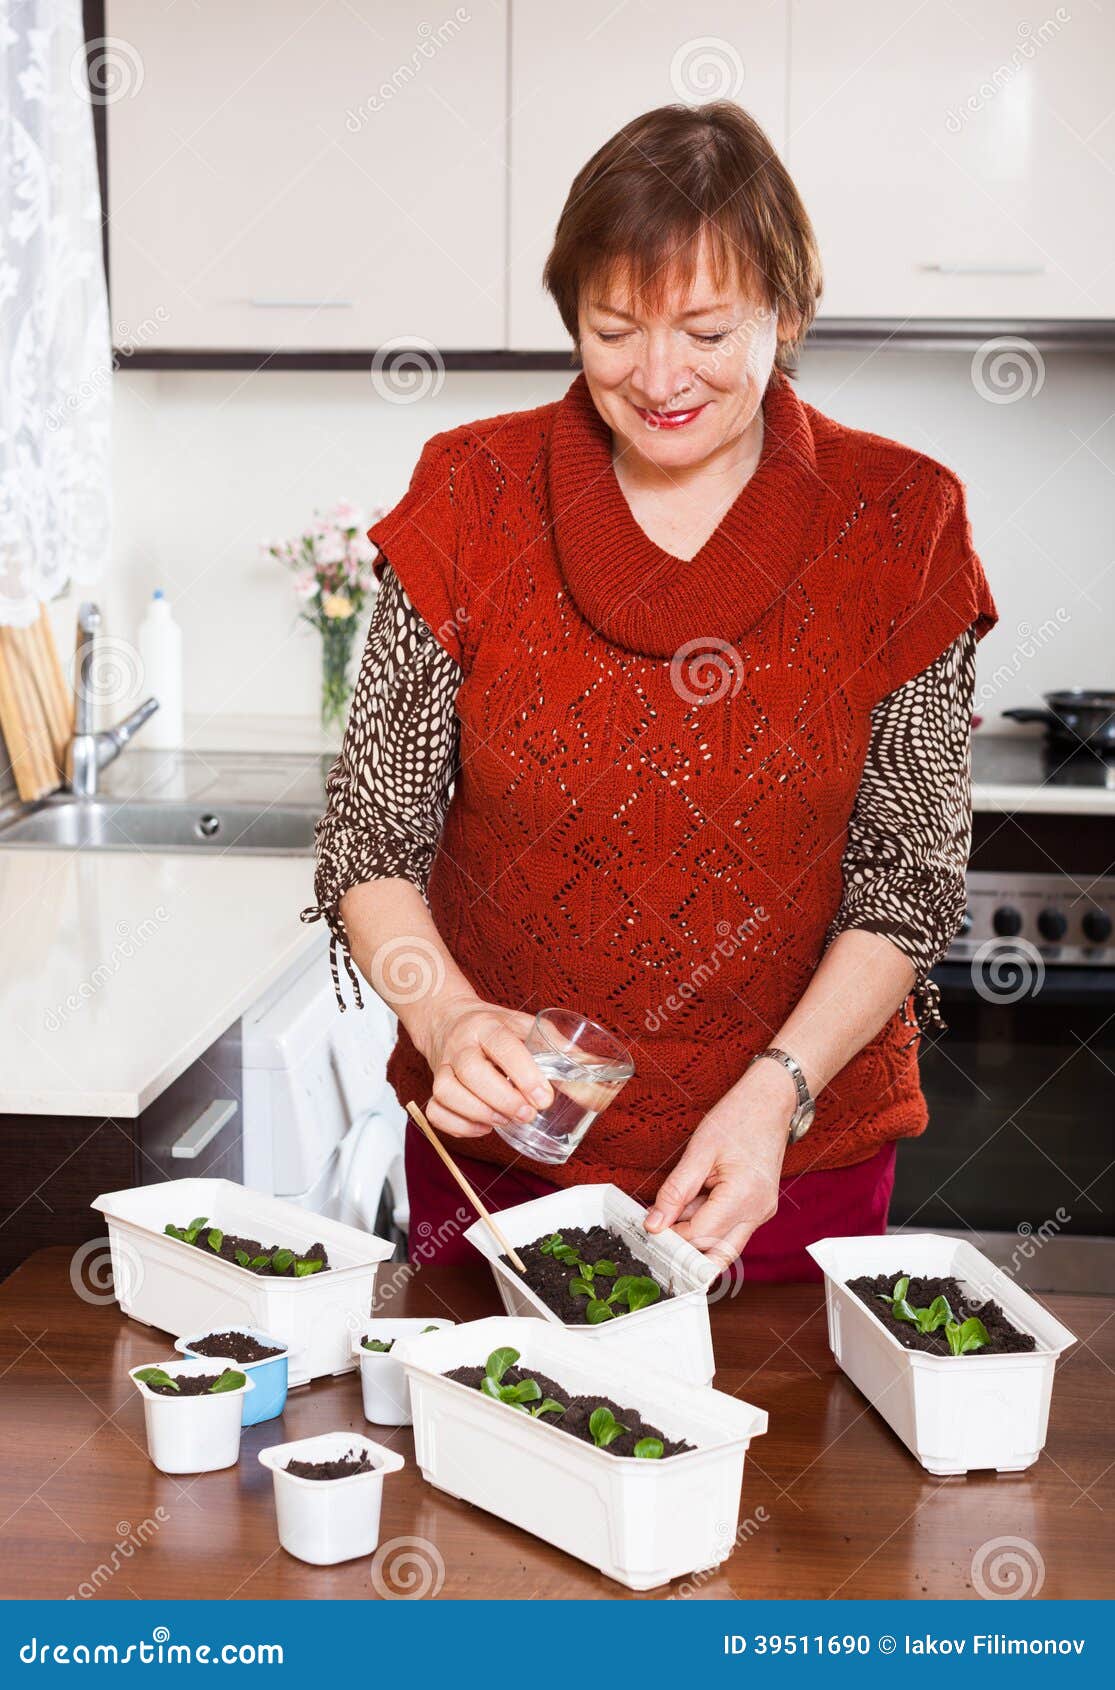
{"points": [[802, 1118]]}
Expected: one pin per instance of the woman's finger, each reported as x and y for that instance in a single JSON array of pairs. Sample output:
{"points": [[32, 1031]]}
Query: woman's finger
{"points": [[458, 1100], [512, 1055], [446, 1121], [682, 1184], [476, 1070], [723, 1223]]}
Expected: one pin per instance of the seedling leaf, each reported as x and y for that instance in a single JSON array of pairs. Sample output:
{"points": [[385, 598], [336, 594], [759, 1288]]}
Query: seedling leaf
{"points": [[498, 1362], [527, 1390], [229, 1380], [898, 1295], [599, 1310], [649, 1449], [281, 1260], [605, 1267], [381, 1346], [937, 1314], [639, 1293], [604, 1426], [547, 1406], [965, 1337], [243, 1258], [260, 1261], [547, 1245], [581, 1287], [155, 1376], [216, 1239], [301, 1269]]}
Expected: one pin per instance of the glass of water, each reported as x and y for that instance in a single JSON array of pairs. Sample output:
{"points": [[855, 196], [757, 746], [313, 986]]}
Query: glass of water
{"points": [[586, 1066]]}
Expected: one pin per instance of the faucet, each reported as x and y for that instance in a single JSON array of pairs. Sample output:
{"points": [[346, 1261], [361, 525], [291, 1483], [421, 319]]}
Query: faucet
{"points": [[89, 751]]}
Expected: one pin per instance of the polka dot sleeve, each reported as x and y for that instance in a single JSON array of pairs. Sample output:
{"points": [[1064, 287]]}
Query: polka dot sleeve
{"points": [[388, 792], [911, 829]]}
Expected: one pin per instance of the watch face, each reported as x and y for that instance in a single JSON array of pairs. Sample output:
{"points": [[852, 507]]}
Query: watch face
{"points": [[802, 1121]]}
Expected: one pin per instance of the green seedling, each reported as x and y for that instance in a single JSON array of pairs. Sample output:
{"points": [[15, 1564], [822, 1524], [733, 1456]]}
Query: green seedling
{"points": [[302, 1268], [426, 1329], [635, 1291], [966, 1336], [155, 1376], [215, 1239], [649, 1449], [229, 1380], [546, 1406], [188, 1234], [381, 1346], [604, 1426], [281, 1260], [516, 1396]]}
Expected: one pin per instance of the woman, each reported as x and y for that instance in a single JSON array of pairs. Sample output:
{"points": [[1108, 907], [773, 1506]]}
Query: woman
{"points": [[665, 709]]}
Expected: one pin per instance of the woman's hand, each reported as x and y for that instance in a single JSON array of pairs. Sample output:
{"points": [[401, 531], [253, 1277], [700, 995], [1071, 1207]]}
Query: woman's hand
{"points": [[726, 1183], [483, 1072]]}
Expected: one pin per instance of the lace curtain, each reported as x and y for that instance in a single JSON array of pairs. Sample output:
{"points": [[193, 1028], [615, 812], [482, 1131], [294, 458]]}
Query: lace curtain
{"points": [[55, 349]]}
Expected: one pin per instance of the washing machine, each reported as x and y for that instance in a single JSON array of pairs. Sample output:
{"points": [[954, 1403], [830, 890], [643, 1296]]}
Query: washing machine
{"points": [[322, 1127]]}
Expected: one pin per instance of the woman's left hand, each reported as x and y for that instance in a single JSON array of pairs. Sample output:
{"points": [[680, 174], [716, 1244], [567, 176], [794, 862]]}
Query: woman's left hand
{"points": [[726, 1183]]}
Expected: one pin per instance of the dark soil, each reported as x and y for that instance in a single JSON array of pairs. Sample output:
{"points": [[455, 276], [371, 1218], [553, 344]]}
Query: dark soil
{"points": [[236, 1345], [253, 1248], [549, 1279], [577, 1411], [190, 1384], [344, 1467], [1003, 1338]]}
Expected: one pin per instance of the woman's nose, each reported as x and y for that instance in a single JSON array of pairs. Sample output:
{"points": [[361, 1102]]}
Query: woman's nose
{"points": [[661, 376]]}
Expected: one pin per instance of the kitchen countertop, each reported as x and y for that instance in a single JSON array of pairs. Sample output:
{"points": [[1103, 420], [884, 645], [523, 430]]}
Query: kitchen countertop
{"points": [[122, 967], [833, 1505]]}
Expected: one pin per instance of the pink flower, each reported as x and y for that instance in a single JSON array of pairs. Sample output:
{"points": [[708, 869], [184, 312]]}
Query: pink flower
{"points": [[330, 548], [348, 515], [305, 584]]}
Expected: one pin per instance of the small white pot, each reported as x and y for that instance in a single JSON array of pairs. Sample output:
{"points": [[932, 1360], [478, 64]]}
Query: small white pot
{"points": [[324, 1521], [192, 1434], [954, 1413], [672, 1335], [383, 1379], [641, 1523]]}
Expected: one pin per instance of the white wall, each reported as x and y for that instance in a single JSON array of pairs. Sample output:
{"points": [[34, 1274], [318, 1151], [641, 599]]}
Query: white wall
{"points": [[207, 464]]}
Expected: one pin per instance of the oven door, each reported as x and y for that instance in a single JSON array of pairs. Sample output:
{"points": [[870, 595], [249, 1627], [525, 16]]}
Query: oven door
{"points": [[1021, 1094]]}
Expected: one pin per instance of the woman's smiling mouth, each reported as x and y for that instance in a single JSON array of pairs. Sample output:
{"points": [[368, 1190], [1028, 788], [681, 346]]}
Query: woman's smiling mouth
{"points": [[669, 419]]}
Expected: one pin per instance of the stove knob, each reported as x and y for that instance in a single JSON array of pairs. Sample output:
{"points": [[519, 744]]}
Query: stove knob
{"points": [[1007, 921], [1097, 926], [965, 925], [1052, 925]]}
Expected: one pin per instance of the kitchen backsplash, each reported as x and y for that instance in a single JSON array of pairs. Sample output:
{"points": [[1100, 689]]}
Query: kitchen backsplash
{"points": [[207, 464]]}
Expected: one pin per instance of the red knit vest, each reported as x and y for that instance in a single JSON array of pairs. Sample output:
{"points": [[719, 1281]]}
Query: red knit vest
{"points": [[659, 758]]}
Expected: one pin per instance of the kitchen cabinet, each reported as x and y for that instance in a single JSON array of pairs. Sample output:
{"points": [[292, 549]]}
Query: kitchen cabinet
{"points": [[957, 162], [579, 74], [297, 176]]}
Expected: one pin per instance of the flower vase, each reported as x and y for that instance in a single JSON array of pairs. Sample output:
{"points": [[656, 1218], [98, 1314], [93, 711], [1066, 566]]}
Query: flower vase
{"points": [[337, 635]]}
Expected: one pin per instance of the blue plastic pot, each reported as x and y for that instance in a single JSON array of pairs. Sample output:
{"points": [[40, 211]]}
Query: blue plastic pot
{"points": [[269, 1376]]}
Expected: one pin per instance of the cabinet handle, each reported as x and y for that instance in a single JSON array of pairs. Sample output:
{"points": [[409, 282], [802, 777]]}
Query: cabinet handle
{"points": [[985, 269], [212, 1120], [302, 304]]}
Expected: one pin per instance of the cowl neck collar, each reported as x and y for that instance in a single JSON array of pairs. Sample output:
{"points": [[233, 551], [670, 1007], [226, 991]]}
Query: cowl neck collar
{"points": [[643, 598]]}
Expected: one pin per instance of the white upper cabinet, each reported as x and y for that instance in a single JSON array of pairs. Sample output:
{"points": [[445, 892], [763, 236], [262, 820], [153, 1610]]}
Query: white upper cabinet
{"points": [[958, 160], [307, 176], [582, 69]]}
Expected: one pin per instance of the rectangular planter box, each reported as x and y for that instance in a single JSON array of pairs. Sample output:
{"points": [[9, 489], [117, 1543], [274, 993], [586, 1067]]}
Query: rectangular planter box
{"points": [[674, 1335], [954, 1413], [172, 1285], [641, 1523]]}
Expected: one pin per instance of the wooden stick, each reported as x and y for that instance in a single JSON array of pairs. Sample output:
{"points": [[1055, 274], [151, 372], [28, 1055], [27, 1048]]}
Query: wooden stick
{"points": [[421, 1122]]}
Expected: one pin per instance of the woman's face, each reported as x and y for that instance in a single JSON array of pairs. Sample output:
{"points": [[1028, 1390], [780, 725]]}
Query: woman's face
{"points": [[678, 386]]}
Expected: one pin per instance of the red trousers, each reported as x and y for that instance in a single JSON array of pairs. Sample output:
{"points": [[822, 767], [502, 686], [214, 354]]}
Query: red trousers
{"points": [[834, 1202]]}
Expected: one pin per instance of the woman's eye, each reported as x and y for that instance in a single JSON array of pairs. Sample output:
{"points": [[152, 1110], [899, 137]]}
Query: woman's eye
{"points": [[711, 339], [611, 337]]}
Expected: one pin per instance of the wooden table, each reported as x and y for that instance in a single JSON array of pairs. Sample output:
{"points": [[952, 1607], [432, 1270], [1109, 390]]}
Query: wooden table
{"points": [[832, 1504]]}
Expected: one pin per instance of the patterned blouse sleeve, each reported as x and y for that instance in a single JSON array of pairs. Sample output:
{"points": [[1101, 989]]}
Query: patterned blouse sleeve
{"points": [[388, 792], [911, 828]]}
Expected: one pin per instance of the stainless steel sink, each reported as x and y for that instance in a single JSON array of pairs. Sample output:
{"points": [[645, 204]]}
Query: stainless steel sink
{"points": [[105, 824]]}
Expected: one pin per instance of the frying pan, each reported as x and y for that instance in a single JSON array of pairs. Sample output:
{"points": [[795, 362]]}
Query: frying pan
{"points": [[1079, 716]]}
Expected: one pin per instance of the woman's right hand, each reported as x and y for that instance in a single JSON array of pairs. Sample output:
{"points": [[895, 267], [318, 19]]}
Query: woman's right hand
{"points": [[483, 1073]]}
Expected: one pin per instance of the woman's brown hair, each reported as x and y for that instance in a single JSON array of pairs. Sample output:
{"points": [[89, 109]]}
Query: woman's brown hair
{"points": [[642, 203]]}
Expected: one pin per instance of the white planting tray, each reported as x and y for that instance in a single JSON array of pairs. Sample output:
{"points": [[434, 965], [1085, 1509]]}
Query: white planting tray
{"points": [[954, 1413], [176, 1287], [640, 1522], [672, 1334]]}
